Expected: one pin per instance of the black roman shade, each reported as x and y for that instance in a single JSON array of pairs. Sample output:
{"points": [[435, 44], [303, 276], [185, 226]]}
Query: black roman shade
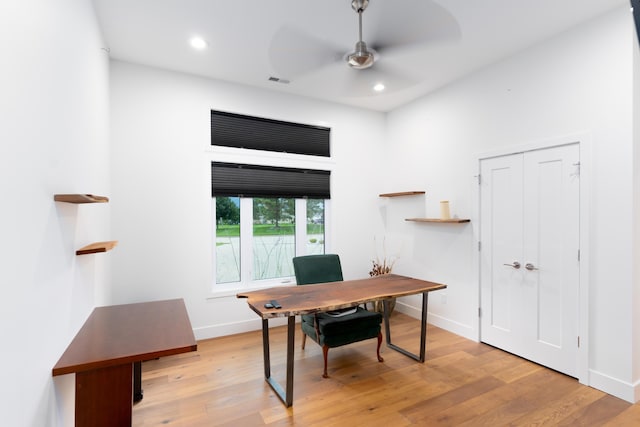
{"points": [[233, 179], [255, 133]]}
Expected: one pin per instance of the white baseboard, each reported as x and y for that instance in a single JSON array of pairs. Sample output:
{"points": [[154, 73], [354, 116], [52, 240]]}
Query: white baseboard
{"points": [[621, 389], [452, 326], [214, 331]]}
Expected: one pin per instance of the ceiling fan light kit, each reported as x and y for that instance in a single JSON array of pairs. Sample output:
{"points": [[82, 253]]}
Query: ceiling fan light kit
{"points": [[361, 58]]}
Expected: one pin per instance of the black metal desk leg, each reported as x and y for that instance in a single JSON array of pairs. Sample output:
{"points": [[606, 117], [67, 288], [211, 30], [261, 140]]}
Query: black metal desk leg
{"points": [[291, 336], [423, 330], [137, 382], [286, 397], [265, 348]]}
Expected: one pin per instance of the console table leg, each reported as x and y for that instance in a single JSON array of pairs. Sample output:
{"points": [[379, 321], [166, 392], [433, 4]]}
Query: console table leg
{"points": [[104, 397]]}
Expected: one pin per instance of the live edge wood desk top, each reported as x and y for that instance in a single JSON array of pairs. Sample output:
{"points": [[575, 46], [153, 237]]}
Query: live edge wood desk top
{"points": [[122, 334], [307, 299]]}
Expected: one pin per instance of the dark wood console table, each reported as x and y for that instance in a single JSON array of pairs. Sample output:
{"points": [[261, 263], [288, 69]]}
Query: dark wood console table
{"points": [[112, 340]]}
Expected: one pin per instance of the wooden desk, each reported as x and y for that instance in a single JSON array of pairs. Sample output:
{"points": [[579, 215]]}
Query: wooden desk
{"points": [[103, 352], [308, 299]]}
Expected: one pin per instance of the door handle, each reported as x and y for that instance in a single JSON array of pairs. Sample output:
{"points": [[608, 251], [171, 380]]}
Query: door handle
{"points": [[515, 265], [530, 267]]}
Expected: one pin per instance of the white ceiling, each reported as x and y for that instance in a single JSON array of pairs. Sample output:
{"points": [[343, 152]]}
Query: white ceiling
{"points": [[303, 40]]}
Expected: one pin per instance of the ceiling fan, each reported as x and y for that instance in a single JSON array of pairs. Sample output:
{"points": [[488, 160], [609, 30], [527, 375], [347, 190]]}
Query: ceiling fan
{"points": [[401, 30]]}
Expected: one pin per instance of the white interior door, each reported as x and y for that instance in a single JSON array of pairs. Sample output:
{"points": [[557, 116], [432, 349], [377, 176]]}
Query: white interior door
{"points": [[501, 213], [530, 215]]}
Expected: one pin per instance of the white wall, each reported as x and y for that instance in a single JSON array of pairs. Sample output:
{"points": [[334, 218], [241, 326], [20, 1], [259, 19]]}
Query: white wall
{"points": [[636, 211], [54, 135], [161, 187], [577, 83]]}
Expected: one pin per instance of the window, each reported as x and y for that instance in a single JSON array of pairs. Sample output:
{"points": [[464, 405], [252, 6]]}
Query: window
{"points": [[227, 242], [274, 237], [264, 214], [257, 238], [257, 133]]}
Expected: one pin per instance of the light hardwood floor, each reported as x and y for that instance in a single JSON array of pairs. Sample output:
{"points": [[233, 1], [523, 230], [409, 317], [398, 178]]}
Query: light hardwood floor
{"points": [[462, 383]]}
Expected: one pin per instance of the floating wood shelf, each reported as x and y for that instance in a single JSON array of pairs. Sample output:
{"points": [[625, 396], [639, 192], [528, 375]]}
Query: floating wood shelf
{"points": [[97, 247], [447, 221], [80, 198], [403, 193]]}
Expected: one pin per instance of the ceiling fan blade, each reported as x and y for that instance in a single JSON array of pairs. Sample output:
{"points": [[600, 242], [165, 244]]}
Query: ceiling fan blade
{"points": [[294, 53], [405, 24]]}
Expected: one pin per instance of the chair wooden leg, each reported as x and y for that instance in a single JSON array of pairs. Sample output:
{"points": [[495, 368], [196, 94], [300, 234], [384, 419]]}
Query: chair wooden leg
{"points": [[380, 359], [325, 353], [304, 339]]}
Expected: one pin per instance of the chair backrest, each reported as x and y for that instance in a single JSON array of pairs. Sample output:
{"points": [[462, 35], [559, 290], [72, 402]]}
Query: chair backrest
{"points": [[311, 269]]}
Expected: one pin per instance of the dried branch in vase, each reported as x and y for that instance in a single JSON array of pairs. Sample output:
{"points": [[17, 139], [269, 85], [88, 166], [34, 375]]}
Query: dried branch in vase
{"points": [[379, 269]]}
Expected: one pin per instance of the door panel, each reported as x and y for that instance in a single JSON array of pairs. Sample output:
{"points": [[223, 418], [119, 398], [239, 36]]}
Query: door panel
{"points": [[551, 243], [501, 213], [529, 213]]}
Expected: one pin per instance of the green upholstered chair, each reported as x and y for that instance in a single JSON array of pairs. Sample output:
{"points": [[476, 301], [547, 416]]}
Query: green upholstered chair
{"points": [[333, 331]]}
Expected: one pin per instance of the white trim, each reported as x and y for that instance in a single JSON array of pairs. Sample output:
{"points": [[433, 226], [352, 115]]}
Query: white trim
{"points": [[586, 166], [457, 328], [268, 158], [583, 139], [246, 241], [475, 257], [225, 290], [533, 145], [300, 227], [232, 328], [621, 389]]}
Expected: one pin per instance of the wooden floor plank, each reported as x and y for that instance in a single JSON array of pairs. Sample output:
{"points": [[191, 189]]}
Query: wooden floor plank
{"points": [[628, 417], [461, 383], [597, 413]]}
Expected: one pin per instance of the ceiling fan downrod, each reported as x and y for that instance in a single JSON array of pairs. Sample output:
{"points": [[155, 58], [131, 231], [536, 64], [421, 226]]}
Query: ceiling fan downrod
{"points": [[362, 58]]}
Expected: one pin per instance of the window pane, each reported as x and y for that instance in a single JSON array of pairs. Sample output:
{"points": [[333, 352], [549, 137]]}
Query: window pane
{"points": [[273, 237], [315, 226], [227, 239]]}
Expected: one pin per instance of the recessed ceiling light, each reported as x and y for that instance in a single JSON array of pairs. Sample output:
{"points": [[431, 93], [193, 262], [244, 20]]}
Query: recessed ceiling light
{"points": [[378, 87], [198, 43]]}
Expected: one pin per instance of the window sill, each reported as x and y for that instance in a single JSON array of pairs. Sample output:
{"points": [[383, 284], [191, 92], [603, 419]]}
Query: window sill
{"points": [[225, 291]]}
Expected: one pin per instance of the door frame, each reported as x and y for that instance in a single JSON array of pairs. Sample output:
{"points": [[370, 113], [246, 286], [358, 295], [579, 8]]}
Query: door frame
{"points": [[584, 143]]}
